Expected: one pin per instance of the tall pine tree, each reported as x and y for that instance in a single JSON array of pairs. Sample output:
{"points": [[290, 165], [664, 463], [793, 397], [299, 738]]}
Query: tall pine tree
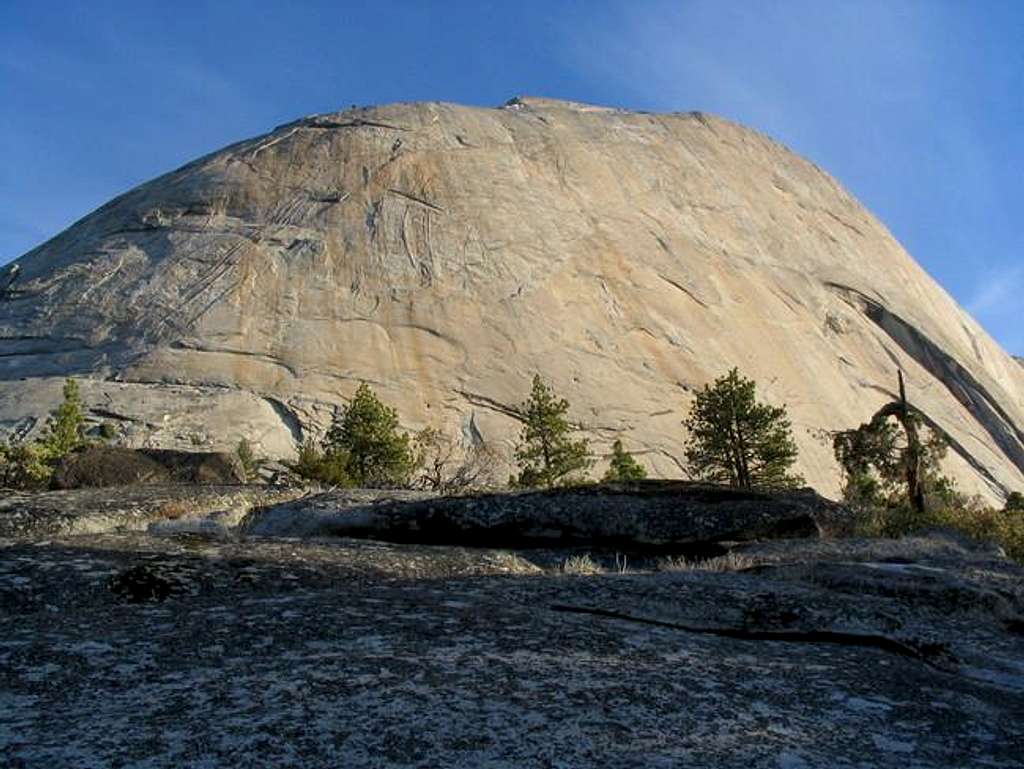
{"points": [[546, 454], [737, 441]]}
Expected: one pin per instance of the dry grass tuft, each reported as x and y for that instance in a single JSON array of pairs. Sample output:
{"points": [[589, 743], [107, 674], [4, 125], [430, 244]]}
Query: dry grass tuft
{"points": [[581, 565], [727, 562]]}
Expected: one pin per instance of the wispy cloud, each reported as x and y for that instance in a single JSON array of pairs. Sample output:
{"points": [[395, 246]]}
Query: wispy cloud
{"points": [[998, 290]]}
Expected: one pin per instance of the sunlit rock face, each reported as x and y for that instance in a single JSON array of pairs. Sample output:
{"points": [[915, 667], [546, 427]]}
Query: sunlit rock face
{"points": [[445, 254]]}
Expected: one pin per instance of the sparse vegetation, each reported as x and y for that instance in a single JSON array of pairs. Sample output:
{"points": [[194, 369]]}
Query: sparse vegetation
{"points": [[623, 467], [969, 516], [891, 464], [728, 562], [547, 455], [737, 441]]}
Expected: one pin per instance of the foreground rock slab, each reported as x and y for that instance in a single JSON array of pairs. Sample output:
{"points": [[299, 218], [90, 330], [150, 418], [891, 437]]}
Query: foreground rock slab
{"points": [[282, 652]]}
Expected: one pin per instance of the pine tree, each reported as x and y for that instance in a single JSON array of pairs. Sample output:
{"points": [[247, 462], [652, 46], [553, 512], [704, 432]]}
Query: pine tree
{"points": [[623, 467], [546, 454], [65, 426], [366, 433], [737, 441]]}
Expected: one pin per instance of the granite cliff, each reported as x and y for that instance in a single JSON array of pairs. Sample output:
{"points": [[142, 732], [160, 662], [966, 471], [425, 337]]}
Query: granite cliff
{"points": [[446, 253]]}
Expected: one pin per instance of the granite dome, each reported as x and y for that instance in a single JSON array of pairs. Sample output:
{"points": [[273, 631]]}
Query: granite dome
{"points": [[446, 253]]}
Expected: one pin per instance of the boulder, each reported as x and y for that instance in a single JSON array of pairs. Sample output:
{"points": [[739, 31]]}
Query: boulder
{"points": [[204, 467], [99, 466]]}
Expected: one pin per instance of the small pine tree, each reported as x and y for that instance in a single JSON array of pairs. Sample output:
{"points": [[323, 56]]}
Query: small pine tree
{"points": [[64, 430], [623, 467], [737, 441], [247, 458], [366, 432], [546, 454]]}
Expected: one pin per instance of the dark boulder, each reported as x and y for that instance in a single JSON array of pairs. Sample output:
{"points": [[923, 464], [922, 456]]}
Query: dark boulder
{"points": [[99, 466], [215, 467]]}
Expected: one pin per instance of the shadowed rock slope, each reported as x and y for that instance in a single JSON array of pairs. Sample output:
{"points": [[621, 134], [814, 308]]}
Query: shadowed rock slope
{"points": [[446, 253]]}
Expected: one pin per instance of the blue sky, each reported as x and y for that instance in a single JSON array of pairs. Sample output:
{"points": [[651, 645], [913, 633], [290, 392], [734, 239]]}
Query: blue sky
{"points": [[916, 107]]}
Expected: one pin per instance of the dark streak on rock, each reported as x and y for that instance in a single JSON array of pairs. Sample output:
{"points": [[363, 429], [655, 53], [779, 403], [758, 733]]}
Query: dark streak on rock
{"points": [[683, 288], [935, 655]]}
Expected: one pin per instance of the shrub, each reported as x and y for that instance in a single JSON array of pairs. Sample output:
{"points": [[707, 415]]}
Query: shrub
{"points": [[737, 441], [948, 508], [24, 466], [443, 467], [546, 454], [623, 467], [328, 468]]}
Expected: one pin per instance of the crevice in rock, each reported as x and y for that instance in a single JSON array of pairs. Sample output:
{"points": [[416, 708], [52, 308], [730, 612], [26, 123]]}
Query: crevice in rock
{"points": [[415, 199], [684, 290], [356, 123], [960, 383], [182, 345], [935, 655], [489, 403], [845, 223], [103, 413]]}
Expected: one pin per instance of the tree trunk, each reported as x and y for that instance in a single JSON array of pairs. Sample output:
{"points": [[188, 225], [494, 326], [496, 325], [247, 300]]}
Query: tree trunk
{"points": [[915, 484]]}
